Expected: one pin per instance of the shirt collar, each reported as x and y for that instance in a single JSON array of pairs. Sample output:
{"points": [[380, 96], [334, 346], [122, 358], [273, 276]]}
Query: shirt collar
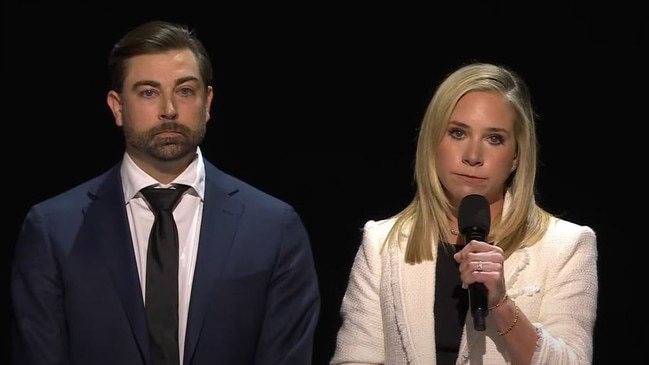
{"points": [[134, 178]]}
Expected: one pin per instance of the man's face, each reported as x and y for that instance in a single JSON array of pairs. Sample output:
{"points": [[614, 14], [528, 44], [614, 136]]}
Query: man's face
{"points": [[163, 107]]}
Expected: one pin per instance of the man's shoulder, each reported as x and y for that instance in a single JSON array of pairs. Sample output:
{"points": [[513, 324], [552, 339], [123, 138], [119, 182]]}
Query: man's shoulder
{"points": [[241, 189], [79, 194]]}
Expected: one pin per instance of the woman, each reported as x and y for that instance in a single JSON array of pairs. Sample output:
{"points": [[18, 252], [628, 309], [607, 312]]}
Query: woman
{"points": [[406, 300]]}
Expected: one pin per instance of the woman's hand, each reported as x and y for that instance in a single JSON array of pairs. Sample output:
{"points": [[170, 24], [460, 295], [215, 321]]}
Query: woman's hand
{"points": [[481, 262]]}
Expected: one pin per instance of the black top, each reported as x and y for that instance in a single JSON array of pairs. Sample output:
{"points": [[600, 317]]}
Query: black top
{"points": [[451, 305]]}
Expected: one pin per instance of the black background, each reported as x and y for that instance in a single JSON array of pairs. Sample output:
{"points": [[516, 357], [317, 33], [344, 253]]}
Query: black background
{"points": [[319, 104]]}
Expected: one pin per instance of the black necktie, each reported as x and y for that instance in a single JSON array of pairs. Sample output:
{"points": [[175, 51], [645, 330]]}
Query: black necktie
{"points": [[162, 275]]}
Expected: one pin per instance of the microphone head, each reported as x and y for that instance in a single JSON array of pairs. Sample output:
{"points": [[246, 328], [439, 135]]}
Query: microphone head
{"points": [[474, 214]]}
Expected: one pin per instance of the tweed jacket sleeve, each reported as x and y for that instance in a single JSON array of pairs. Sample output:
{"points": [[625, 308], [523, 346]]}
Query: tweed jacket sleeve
{"points": [[360, 339]]}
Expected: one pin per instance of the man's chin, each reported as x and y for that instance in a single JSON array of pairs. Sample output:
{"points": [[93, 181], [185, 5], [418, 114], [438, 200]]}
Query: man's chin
{"points": [[171, 152]]}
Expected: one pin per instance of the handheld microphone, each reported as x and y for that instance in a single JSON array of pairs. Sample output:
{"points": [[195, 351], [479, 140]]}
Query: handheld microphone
{"points": [[474, 220]]}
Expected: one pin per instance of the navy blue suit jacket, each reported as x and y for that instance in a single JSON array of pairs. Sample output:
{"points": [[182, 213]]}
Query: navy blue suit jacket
{"points": [[77, 297]]}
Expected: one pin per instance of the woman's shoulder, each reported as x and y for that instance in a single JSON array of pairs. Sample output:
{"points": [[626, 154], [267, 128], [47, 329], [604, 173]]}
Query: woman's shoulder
{"points": [[560, 227], [566, 235], [379, 224], [378, 227], [375, 231]]}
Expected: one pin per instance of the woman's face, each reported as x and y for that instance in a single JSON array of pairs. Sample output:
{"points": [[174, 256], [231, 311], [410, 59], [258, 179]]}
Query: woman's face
{"points": [[478, 151]]}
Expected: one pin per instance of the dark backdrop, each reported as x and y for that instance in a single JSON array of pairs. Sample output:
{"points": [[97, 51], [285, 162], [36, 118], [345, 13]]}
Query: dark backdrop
{"points": [[319, 106]]}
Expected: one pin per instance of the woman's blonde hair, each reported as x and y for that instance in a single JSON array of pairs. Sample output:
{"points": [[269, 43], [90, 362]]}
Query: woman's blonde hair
{"points": [[426, 217]]}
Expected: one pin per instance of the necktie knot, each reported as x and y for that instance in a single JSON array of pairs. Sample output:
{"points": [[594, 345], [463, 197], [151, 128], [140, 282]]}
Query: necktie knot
{"points": [[163, 199]]}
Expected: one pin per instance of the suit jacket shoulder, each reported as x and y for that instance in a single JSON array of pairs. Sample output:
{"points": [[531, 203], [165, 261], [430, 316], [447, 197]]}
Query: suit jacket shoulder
{"points": [[243, 191]]}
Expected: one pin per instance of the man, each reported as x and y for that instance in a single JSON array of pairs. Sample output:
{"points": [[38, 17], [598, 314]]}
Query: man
{"points": [[245, 289]]}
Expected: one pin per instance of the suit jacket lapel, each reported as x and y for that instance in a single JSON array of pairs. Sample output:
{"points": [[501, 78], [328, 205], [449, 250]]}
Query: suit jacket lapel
{"points": [[106, 224], [221, 215]]}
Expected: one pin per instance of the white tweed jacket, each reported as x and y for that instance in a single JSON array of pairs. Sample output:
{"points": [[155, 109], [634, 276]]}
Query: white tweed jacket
{"points": [[387, 309]]}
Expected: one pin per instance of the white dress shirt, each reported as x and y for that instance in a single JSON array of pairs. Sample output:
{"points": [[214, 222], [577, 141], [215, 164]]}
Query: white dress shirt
{"points": [[187, 214]]}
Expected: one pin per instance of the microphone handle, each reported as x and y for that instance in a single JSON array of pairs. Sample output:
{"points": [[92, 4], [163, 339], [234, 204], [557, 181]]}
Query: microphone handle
{"points": [[478, 304], [477, 291]]}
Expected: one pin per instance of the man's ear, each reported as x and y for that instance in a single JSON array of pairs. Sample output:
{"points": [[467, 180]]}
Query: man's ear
{"points": [[115, 104]]}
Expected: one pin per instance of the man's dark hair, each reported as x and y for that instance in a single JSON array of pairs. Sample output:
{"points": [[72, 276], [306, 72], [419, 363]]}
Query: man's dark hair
{"points": [[151, 38]]}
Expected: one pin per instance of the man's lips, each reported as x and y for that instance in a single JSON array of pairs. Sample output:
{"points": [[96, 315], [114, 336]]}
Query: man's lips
{"points": [[167, 133]]}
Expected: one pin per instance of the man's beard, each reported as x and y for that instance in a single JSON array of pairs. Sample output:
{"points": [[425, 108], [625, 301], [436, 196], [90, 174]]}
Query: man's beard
{"points": [[165, 148]]}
